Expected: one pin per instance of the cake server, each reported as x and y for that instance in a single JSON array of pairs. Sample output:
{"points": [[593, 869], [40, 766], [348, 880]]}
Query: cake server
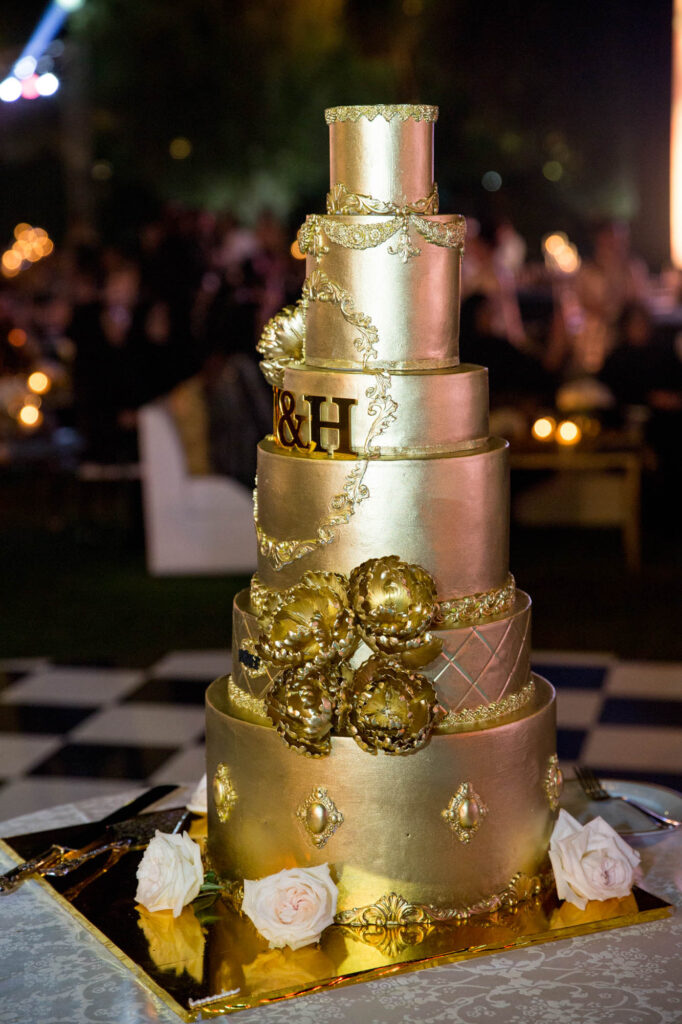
{"points": [[121, 830]]}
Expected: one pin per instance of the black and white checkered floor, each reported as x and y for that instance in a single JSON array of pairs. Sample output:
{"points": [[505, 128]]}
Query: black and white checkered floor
{"points": [[67, 733]]}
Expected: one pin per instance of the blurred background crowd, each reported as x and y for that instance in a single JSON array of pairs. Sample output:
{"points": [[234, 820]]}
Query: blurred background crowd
{"points": [[90, 332]]}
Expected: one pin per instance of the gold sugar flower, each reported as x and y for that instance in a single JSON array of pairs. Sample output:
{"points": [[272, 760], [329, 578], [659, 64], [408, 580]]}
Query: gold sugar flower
{"points": [[282, 342], [389, 708], [302, 710], [308, 626], [394, 603]]}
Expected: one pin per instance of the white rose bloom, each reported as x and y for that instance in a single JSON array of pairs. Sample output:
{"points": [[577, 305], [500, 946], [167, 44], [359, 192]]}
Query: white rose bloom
{"points": [[590, 862], [170, 874], [198, 802], [291, 908]]}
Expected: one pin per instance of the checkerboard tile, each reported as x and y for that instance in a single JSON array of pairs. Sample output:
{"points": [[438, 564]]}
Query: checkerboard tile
{"points": [[68, 733]]}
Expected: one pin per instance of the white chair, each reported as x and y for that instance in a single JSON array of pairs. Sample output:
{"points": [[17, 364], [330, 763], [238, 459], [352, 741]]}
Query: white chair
{"points": [[193, 524]]}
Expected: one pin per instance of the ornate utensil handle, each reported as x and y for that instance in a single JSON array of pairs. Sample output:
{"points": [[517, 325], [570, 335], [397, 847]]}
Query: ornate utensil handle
{"points": [[13, 879]]}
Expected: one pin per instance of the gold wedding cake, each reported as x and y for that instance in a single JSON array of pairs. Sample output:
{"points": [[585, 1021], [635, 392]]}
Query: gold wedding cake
{"points": [[381, 715]]}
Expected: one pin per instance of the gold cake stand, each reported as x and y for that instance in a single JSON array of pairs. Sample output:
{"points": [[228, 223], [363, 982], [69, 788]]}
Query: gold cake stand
{"points": [[214, 962]]}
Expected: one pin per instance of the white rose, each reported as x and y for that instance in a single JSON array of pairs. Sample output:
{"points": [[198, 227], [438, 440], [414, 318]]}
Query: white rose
{"points": [[198, 802], [590, 862], [170, 874], [293, 907]]}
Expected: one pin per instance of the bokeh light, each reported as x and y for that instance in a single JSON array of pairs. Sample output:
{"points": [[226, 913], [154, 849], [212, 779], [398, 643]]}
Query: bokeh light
{"points": [[10, 89], [180, 148], [295, 250], [543, 428], [553, 170], [47, 84], [568, 432], [491, 181], [39, 382], [30, 416], [17, 337]]}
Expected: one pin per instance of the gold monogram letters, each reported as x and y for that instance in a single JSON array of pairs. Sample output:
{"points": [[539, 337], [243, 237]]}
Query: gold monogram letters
{"points": [[287, 423]]}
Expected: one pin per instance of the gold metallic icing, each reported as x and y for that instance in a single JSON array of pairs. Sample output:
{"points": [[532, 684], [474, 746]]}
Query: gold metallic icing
{"points": [[383, 151], [318, 287], [465, 812], [392, 839], [412, 414], [282, 552], [319, 816], [224, 793], [449, 514], [413, 305]]}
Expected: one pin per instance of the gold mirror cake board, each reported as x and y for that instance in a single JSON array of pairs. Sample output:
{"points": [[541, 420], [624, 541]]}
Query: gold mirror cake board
{"points": [[219, 965]]}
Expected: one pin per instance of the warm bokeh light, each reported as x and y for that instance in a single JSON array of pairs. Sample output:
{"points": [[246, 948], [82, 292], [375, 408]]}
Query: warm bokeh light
{"points": [[39, 382], [560, 253], [295, 250], [21, 229], [676, 141], [543, 428], [30, 416], [180, 148], [568, 432], [11, 259], [17, 337]]}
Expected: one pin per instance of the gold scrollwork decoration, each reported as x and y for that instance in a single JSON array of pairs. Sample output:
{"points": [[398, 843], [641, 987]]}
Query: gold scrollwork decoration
{"points": [[462, 611], [382, 407], [342, 506], [224, 793], [320, 288], [389, 111], [394, 911], [341, 200], [450, 234], [553, 782], [319, 816], [465, 812], [457, 720]]}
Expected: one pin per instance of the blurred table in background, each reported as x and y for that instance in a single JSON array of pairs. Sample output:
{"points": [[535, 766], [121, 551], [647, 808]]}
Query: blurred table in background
{"points": [[593, 484]]}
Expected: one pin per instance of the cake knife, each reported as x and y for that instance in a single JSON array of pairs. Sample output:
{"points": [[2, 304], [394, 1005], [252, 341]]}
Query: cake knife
{"points": [[122, 830]]}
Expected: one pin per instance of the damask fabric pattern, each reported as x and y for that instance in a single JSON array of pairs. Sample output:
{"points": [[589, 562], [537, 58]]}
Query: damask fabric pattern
{"points": [[52, 970]]}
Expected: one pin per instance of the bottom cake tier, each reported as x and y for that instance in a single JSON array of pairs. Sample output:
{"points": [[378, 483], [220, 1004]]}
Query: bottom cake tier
{"points": [[450, 826]]}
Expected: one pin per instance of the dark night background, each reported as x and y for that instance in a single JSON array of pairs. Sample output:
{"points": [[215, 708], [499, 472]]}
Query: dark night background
{"points": [[585, 84]]}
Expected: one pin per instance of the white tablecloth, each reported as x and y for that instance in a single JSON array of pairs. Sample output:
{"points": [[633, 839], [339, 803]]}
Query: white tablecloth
{"points": [[53, 972]]}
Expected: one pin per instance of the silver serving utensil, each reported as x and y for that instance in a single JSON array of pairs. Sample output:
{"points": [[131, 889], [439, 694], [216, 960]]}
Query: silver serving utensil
{"points": [[593, 788], [131, 834]]}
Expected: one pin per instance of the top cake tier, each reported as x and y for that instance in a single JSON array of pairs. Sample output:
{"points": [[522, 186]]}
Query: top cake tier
{"points": [[383, 151]]}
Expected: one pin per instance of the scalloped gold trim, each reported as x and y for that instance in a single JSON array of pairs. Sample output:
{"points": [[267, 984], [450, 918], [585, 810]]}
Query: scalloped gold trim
{"points": [[463, 611], [389, 111], [459, 721]]}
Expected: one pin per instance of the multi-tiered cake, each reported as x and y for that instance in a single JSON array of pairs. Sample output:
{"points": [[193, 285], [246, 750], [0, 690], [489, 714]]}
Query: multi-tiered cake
{"points": [[382, 715]]}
